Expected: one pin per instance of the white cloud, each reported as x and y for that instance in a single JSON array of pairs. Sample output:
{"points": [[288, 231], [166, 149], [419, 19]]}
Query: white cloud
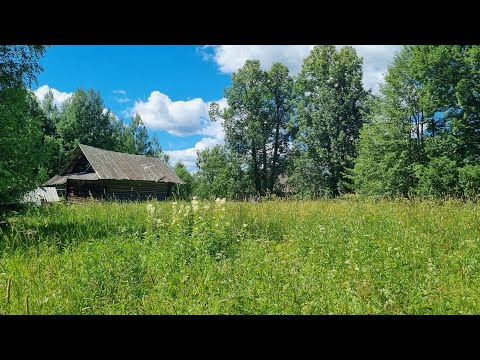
{"points": [[189, 156], [182, 118], [230, 58], [119, 91], [123, 100], [376, 59], [58, 97]]}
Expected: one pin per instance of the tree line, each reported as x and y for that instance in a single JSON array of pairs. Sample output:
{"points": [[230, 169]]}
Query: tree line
{"points": [[321, 134], [316, 134]]}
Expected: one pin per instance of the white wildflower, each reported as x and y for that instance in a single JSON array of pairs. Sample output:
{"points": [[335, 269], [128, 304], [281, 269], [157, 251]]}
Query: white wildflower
{"points": [[195, 198], [151, 209], [223, 201], [206, 207], [245, 225], [195, 207]]}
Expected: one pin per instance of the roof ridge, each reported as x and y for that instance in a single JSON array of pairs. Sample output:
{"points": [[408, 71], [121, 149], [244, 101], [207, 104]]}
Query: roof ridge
{"points": [[123, 153]]}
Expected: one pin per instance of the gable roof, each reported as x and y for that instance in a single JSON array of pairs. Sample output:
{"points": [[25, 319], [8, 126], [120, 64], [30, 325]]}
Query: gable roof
{"points": [[114, 165]]}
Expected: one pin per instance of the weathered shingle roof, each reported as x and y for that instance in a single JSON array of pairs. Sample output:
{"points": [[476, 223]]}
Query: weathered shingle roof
{"points": [[56, 180], [119, 166], [59, 180]]}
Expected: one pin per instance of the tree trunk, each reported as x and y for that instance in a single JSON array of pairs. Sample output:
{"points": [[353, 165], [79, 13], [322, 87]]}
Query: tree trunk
{"points": [[256, 176], [265, 172], [275, 154]]}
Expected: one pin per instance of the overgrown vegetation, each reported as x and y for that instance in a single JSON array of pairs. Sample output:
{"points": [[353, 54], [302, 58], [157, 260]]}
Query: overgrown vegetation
{"points": [[335, 256]]}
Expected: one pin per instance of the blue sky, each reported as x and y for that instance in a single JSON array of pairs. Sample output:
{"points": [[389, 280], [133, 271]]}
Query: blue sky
{"points": [[171, 86]]}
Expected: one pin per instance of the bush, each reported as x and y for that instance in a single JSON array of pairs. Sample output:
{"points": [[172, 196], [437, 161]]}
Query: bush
{"points": [[469, 180], [438, 178]]}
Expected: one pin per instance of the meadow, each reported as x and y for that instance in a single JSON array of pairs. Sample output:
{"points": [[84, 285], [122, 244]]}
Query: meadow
{"points": [[345, 256]]}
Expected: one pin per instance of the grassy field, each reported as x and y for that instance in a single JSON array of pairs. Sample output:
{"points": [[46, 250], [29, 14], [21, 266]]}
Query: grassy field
{"points": [[326, 257]]}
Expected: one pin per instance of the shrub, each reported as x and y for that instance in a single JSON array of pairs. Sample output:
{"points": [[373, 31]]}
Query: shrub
{"points": [[438, 178], [469, 180]]}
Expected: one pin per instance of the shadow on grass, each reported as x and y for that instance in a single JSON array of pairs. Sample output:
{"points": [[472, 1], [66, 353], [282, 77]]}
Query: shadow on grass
{"points": [[21, 235]]}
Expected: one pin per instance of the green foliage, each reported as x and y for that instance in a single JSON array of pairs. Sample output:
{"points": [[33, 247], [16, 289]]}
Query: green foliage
{"points": [[19, 65], [330, 105], [184, 191], [256, 121], [469, 180], [438, 178], [427, 119], [134, 139], [84, 121], [383, 166], [276, 257], [220, 174], [22, 147], [156, 150]]}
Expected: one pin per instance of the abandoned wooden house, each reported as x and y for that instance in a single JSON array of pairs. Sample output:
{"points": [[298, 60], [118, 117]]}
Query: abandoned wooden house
{"points": [[104, 174]]}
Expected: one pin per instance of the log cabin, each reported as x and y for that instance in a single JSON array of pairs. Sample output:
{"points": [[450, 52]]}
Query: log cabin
{"points": [[102, 174]]}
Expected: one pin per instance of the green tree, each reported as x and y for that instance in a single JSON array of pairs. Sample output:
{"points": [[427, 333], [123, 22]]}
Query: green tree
{"points": [[384, 166], [51, 116], [84, 120], [448, 86], [256, 121], [22, 148], [330, 105], [280, 91], [19, 65], [391, 145], [469, 180], [156, 150], [133, 138], [428, 110], [438, 178], [245, 119], [183, 191], [220, 175]]}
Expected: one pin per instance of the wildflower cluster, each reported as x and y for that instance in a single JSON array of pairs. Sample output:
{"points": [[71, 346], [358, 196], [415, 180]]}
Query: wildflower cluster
{"points": [[202, 227]]}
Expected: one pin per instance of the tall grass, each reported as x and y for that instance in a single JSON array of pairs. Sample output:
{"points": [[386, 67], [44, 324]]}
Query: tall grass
{"points": [[276, 257]]}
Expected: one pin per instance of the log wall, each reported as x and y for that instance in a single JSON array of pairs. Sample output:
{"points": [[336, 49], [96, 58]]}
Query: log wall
{"points": [[118, 189]]}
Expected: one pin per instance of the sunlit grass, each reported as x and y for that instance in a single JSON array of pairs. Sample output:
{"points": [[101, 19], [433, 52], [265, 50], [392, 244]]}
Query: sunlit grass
{"points": [[278, 257]]}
